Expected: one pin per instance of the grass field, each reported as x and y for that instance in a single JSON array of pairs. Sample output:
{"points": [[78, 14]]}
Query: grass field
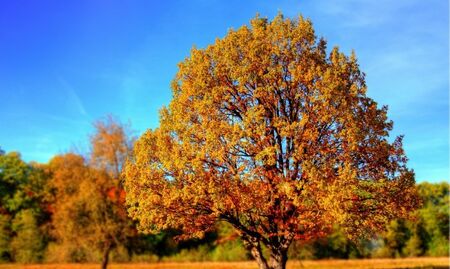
{"points": [[437, 263]]}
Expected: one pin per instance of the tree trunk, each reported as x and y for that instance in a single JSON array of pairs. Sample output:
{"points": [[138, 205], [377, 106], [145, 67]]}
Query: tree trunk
{"points": [[278, 259], [278, 252], [105, 258], [259, 258], [253, 245]]}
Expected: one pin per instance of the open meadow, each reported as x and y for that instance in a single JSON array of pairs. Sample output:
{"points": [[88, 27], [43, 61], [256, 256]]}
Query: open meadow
{"points": [[426, 262]]}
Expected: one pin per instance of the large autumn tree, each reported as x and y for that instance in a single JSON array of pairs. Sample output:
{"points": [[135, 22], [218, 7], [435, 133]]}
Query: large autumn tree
{"points": [[273, 134]]}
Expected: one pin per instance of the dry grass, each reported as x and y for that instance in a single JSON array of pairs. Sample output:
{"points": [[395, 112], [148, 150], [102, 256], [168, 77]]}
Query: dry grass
{"points": [[443, 262]]}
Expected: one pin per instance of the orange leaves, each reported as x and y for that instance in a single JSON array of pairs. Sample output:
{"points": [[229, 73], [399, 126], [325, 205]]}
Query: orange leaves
{"points": [[116, 195], [111, 145], [88, 202]]}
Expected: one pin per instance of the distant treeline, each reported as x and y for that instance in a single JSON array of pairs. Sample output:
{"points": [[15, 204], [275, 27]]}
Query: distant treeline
{"points": [[72, 210]]}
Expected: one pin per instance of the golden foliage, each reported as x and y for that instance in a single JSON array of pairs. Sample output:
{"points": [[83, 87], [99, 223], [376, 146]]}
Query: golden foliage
{"points": [[270, 133]]}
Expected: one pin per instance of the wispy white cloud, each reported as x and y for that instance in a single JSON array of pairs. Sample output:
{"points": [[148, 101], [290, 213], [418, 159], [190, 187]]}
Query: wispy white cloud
{"points": [[73, 97]]}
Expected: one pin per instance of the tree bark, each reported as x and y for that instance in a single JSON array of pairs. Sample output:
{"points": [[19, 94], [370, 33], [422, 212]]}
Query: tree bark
{"points": [[278, 259], [278, 251], [105, 258], [258, 256], [254, 246]]}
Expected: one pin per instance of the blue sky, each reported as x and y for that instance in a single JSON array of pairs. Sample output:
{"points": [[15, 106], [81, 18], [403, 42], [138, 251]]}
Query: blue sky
{"points": [[64, 64]]}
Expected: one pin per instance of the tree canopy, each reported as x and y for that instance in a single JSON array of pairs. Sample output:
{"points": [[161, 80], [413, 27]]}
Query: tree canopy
{"points": [[269, 132]]}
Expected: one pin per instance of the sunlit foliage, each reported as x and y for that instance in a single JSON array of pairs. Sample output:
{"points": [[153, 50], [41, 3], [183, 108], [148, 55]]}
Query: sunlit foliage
{"points": [[271, 133]]}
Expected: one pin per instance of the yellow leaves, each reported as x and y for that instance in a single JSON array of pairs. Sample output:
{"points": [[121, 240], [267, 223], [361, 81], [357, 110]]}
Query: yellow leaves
{"points": [[267, 156]]}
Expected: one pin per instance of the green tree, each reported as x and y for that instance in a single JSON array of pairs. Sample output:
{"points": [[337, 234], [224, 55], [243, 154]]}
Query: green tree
{"points": [[270, 133], [416, 244], [427, 232], [14, 175], [395, 239], [22, 190], [435, 215], [5, 238], [28, 244]]}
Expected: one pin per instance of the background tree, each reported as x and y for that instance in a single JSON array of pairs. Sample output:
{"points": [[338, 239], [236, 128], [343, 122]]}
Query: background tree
{"points": [[27, 246], [89, 198], [70, 179], [14, 174], [395, 238], [5, 238], [427, 233], [111, 145], [435, 217], [22, 212], [272, 135]]}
